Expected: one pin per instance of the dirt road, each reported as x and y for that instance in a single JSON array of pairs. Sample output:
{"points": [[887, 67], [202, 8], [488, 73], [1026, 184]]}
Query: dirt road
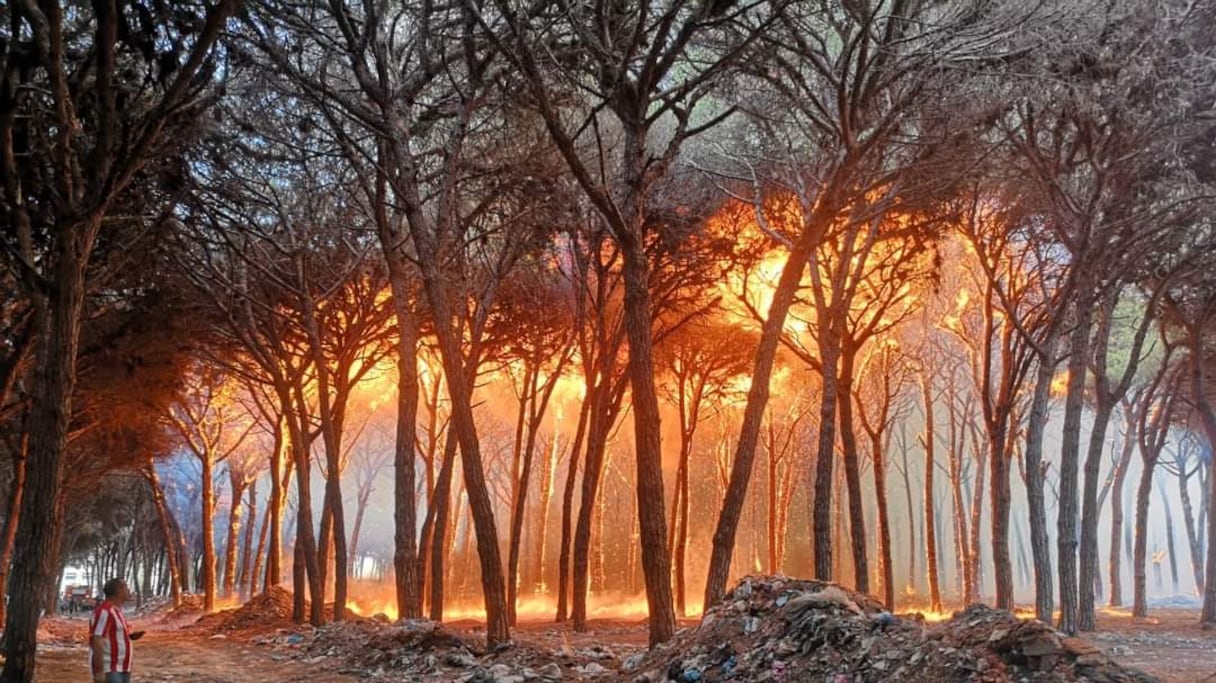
{"points": [[181, 658]]}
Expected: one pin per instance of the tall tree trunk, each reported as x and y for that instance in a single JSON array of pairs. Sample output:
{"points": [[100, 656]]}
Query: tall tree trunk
{"points": [[260, 553], [935, 590], [1170, 543], [520, 502], [1036, 501], [564, 546], [247, 551], [12, 518], [1114, 564], [1207, 418], [360, 510], [852, 469], [39, 527], [1192, 534], [1066, 522], [977, 511], [168, 529], [884, 522], [274, 510], [753, 417], [406, 558], [911, 509], [208, 506], [231, 547], [656, 564], [1090, 509], [1140, 553], [592, 473], [439, 512], [548, 472], [825, 458]]}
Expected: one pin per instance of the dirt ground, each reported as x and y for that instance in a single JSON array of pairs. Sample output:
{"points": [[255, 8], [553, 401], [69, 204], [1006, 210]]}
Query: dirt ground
{"points": [[1169, 645]]}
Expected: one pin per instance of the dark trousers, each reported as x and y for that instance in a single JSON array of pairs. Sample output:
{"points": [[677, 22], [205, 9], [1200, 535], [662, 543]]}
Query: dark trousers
{"points": [[124, 677]]}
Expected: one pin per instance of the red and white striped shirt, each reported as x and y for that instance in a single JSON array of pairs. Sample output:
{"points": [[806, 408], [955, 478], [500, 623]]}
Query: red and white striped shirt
{"points": [[109, 624]]}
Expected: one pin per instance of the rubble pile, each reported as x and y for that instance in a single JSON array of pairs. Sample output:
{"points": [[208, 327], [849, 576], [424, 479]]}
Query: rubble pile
{"points": [[786, 631], [266, 611], [190, 606]]}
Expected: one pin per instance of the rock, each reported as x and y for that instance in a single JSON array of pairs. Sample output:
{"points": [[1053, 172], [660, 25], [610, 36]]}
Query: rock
{"points": [[551, 671]]}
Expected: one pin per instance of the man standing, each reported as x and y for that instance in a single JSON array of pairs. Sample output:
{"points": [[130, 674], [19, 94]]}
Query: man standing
{"points": [[109, 638]]}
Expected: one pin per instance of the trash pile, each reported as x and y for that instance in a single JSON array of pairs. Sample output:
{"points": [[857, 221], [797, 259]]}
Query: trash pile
{"points": [[785, 631]]}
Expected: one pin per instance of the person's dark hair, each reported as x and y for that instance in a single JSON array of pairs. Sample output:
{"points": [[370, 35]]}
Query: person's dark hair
{"points": [[112, 587]]}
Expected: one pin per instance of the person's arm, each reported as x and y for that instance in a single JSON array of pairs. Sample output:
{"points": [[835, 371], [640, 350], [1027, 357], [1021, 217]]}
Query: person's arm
{"points": [[97, 645]]}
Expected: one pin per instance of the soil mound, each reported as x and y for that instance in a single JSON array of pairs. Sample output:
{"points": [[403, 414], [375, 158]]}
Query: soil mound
{"points": [[268, 610], [789, 631]]}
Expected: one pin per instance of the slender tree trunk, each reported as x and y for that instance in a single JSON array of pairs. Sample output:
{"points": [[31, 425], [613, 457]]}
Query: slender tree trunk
{"points": [[256, 577], [774, 566], [852, 470], [656, 564], [548, 471], [911, 509], [247, 543], [519, 507], [1090, 509], [1066, 522], [935, 591], [231, 547], [592, 472], [884, 522], [753, 417], [975, 590], [1170, 543], [168, 530], [824, 460], [1114, 568], [1192, 534], [1207, 418], [1140, 553], [208, 505], [564, 547], [274, 511], [406, 557], [1044, 601], [436, 541]]}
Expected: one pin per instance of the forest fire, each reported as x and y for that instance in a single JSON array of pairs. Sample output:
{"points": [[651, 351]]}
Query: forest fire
{"points": [[625, 315]]}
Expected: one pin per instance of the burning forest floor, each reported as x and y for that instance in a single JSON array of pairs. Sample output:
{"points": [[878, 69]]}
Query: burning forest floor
{"points": [[768, 629]]}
